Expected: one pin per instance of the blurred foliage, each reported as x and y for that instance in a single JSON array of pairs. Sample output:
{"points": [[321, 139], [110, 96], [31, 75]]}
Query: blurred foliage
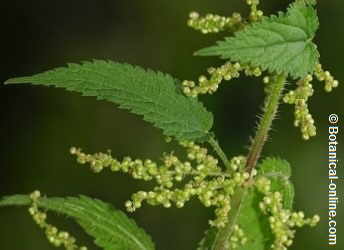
{"points": [[40, 124]]}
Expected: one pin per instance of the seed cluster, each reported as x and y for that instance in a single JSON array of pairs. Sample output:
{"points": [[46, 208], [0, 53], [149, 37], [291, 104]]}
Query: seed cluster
{"points": [[282, 221], [211, 23], [178, 181], [56, 238], [255, 14], [209, 85], [299, 97], [326, 77]]}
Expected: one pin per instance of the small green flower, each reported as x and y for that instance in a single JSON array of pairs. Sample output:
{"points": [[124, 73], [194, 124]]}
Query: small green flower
{"points": [[55, 237]]}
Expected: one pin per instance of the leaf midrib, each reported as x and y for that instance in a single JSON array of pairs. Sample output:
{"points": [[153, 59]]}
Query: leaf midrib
{"points": [[107, 78], [307, 39], [274, 44]]}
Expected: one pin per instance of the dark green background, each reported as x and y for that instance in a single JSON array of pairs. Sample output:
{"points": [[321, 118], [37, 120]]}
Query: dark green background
{"points": [[40, 124]]}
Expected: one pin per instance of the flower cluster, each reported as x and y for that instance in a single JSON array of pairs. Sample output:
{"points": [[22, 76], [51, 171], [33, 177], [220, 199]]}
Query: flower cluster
{"points": [[237, 238], [325, 76], [237, 163], [171, 169], [299, 97], [55, 237], [211, 23], [227, 72], [255, 14], [282, 221], [178, 181]]}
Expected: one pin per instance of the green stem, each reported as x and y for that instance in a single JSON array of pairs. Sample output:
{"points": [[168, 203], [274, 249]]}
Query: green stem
{"points": [[222, 237], [215, 145], [270, 108]]}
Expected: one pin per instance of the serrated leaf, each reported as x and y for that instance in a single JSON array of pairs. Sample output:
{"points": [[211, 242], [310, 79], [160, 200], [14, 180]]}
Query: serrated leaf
{"points": [[151, 94], [111, 228], [279, 172], [279, 44]]}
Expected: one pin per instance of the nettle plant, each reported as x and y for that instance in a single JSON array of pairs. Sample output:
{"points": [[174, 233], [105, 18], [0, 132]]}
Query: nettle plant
{"points": [[252, 198]]}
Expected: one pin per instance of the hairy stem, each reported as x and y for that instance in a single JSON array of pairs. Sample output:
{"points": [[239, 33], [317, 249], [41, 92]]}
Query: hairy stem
{"points": [[270, 108], [219, 151]]}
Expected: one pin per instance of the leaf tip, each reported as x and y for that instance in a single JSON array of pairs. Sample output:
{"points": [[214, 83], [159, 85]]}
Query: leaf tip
{"points": [[17, 80], [205, 52], [10, 81], [15, 200]]}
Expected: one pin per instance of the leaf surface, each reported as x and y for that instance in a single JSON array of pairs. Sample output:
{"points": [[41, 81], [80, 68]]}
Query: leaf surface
{"points": [[111, 228], [279, 172], [251, 220], [279, 44], [254, 223], [144, 92]]}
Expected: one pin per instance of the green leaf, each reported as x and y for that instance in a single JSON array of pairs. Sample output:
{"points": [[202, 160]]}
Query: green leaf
{"points": [[111, 228], [251, 220], [279, 44], [274, 166], [15, 200], [151, 94], [254, 223], [279, 172], [312, 2]]}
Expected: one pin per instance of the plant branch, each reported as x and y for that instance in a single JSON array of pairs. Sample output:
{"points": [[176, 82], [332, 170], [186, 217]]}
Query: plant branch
{"points": [[222, 237], [270, 108], [215, 145]]}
